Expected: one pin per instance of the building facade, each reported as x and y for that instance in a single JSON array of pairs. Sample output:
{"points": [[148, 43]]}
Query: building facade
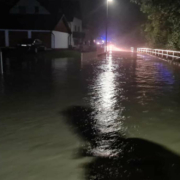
{"points": [[29, 19]]}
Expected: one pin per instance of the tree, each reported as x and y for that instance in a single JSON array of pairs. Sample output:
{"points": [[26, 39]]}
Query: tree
{"points": [[163, 22]]}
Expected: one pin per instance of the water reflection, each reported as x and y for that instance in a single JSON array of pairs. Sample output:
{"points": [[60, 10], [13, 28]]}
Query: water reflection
{"points": [[32, 131], [108, 113], [102, 126], [165, 73]]}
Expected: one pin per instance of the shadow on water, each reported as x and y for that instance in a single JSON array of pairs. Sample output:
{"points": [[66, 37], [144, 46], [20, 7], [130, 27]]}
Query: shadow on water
{"points": [[128, 158]]}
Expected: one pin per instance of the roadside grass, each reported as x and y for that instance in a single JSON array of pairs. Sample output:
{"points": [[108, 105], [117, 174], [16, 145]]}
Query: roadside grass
{"points": [[62, 54], [50, 54]]}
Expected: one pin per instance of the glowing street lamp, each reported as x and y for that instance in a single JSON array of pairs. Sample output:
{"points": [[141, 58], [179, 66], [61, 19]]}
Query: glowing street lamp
{"points": [[108, 1]]}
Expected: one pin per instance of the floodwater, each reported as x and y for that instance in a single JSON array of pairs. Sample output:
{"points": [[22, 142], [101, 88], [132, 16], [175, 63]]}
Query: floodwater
{"points": [[116, 117]]}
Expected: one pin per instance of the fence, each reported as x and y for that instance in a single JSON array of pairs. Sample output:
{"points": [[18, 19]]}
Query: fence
{"points": [[160, 52]]}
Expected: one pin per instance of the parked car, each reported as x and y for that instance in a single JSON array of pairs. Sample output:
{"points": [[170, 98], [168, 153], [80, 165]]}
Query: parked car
{"points": [[34, 45]]}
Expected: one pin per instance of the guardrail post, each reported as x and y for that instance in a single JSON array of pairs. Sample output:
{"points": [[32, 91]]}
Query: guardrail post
{"points": [[1, 63]]}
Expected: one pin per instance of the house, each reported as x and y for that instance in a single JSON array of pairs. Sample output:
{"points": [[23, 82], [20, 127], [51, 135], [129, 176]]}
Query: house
{"points": [[72, 11], [30, 19]]}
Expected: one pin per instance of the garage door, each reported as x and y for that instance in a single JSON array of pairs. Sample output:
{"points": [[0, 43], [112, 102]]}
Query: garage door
{"points": [[16, 37], [45, 37], [2, 38]]}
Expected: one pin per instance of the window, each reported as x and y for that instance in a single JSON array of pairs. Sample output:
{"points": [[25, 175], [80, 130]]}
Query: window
{"points": [[22, 9], [36, 9]]}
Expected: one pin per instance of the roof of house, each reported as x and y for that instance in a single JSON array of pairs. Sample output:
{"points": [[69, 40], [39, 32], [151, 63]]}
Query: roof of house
{"points": [[42, 22], [32, 22], [70, 8]]}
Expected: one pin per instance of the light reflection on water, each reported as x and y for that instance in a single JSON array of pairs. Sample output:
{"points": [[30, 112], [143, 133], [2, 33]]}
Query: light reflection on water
{"points": [[108, 114], [132, 96]]}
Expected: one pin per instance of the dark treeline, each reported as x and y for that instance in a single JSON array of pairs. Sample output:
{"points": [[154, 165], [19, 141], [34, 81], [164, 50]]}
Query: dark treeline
{"points": [[162, 27]]}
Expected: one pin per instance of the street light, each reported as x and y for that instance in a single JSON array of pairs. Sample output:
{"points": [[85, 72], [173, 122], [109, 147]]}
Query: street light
{"points": [[108, 1]]}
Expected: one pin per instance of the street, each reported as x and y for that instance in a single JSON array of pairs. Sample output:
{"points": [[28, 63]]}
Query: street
{"points": [[128, 96]]}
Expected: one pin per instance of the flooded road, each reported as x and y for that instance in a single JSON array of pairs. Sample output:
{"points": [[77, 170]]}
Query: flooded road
{"points": [[116, 103]]}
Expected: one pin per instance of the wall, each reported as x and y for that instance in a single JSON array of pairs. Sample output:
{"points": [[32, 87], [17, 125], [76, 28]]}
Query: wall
{"points": [[78, 23], [71, 25], [30, 7], [61, 40], [16, 37], [13, 37]]}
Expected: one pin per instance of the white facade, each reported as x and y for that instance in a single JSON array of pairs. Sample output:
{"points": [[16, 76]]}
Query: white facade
{"points": [[75, 26], [61, 40], [28, 7]]}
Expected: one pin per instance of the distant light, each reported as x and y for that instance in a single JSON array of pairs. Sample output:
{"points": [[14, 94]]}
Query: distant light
{"points": [[110, 0], [112, 47], [103, 41], [132, 49], [98, 42]]}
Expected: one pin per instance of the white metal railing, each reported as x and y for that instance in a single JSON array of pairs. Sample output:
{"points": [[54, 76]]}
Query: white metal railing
{"points": [[160, 52]]}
